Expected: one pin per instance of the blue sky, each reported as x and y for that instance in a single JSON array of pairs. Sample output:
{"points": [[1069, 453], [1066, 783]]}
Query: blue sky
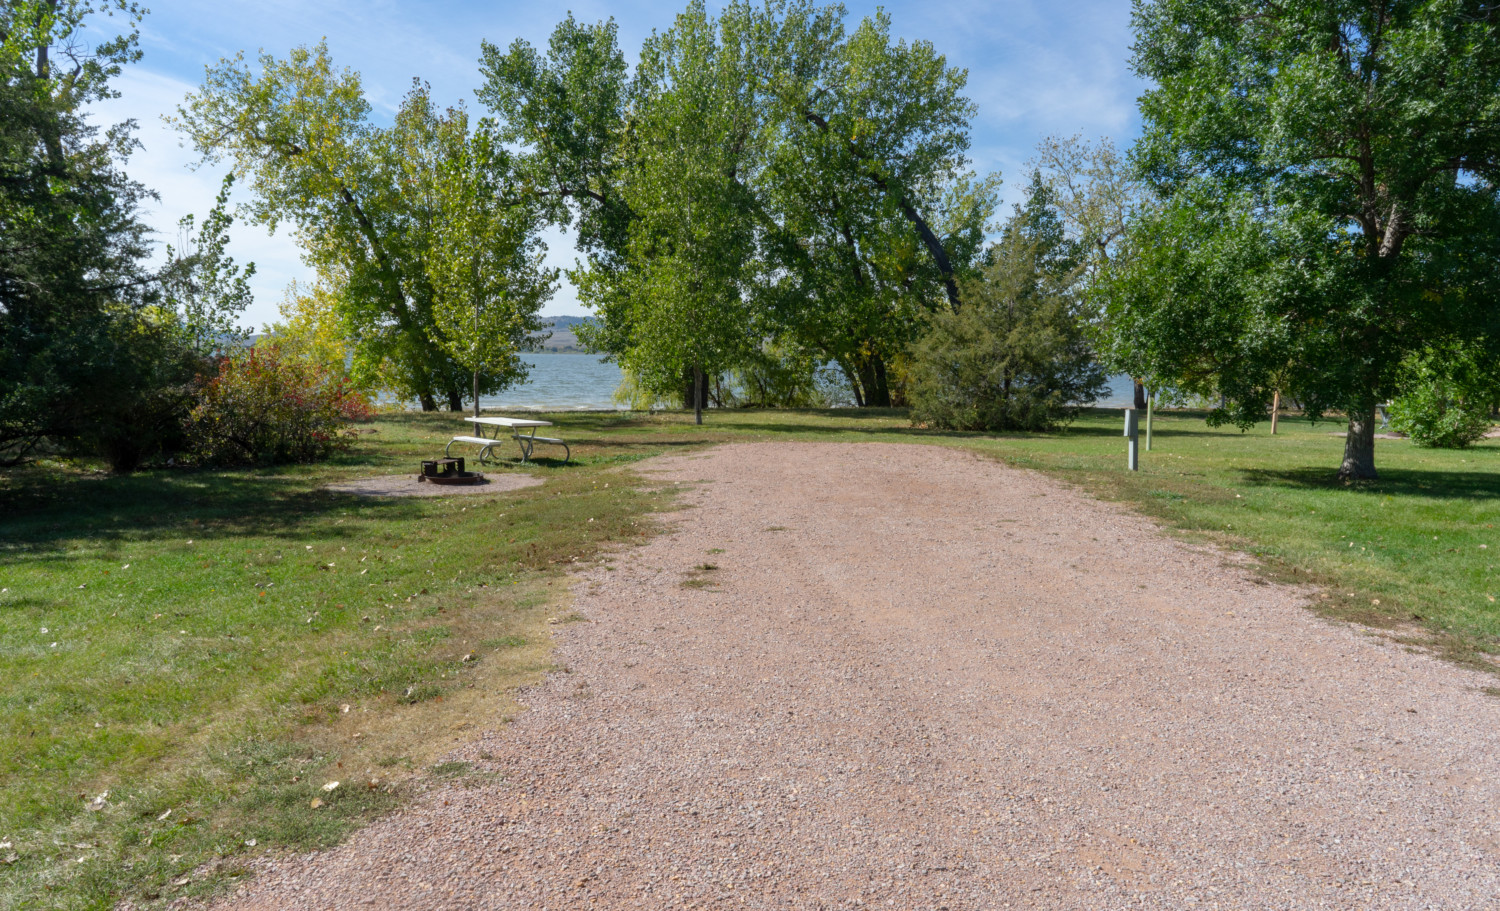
{"points": [[1035, 69]]}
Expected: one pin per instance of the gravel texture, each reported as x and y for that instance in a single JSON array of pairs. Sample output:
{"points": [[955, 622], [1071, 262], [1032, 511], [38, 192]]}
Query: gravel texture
{"points": [[920, 680], [407, 485]]}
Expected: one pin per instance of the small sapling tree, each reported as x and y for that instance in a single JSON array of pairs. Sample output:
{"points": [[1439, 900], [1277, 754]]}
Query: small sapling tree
{"points": [[485, 263]]}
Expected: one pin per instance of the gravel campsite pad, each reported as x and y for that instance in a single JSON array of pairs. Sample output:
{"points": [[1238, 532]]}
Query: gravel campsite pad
{"points": [[407, 485], [862, 676]]}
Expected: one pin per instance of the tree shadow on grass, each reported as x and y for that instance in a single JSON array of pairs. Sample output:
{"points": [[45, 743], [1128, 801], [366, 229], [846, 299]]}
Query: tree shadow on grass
{"points": [[1396, 482], [45, 511]]}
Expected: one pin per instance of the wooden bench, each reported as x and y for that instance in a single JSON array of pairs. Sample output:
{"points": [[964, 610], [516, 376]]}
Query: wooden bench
{"points": [[527, 441]]}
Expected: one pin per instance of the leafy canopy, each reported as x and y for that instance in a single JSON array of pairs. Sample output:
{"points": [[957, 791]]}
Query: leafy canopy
{"points": [[1329, 173]]}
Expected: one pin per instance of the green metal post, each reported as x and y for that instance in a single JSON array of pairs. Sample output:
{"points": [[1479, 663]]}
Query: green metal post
{"points": [[1150, 407]]}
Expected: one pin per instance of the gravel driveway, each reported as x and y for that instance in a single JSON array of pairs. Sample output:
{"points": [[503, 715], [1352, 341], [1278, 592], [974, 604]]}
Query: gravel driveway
{"points": [[920, 680]]}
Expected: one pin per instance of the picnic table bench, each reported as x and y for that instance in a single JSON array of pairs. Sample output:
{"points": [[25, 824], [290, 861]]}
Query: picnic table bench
{"points": [[516, 426]]}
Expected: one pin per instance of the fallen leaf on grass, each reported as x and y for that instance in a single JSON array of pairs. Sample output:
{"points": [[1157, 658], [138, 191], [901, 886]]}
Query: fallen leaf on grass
{"points": [[316, 802], [162, 817], [330, 786]]}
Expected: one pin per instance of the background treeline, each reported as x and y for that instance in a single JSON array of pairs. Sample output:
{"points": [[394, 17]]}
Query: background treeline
{"points": [[766, 199], [772, 196]]}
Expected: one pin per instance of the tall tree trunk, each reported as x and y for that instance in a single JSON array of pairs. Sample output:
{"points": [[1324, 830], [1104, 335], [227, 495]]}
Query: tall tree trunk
{"points": [[694, 386], [1140, 396], [698, 390], [428, 400], [852, 376], [1275, 410], [1359, 445], [455, 399], [872, 377], [476, 393]]}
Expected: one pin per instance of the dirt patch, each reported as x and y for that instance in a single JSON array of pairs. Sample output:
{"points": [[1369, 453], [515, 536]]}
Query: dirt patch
{"points": [[943, 683], [407, 485]]}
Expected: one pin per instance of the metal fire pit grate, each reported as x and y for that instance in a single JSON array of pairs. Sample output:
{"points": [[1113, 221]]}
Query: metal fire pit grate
{"points": [[448, 471]]}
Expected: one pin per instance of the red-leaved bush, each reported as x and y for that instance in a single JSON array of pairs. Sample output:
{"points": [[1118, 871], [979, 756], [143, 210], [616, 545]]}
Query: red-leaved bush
{"points": [[265, 408]]}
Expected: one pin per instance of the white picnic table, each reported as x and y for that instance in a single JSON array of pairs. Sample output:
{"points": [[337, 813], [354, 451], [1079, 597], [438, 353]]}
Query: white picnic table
{"points": [[516, 426]]}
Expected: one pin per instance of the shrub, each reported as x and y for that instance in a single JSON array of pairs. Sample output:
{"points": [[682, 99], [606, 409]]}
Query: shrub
{"points": [[265, 408], [137, 414], [1447, 396], [1015, 357]]}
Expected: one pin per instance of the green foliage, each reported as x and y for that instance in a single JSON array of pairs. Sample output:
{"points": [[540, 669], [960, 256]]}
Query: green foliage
{"points": [[485, 263], [310, 328], [878, 216], [203, 286], [363, 199], [1016, 356], [824, 202], [72, 286], [775, 376], [1448, 397], [263, 408], [138, 414], [692, 242], [1344, 156], [568, 111]]}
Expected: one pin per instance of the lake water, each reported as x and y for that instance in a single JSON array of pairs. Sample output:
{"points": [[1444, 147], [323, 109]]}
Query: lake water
{"points": [[581, 382], [561, 382]]}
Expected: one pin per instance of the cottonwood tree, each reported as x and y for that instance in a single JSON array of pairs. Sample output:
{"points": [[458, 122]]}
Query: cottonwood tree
{"points": [[880, 217], [361, 198], [695, 146], [889, 114], [204, 286], [567, 110], [855, 194], [1099, 194], [311, 329], [485, 262], [1330, 169]]}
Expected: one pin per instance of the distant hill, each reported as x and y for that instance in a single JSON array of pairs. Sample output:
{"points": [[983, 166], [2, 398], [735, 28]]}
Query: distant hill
{"points": [[566, 322], [563, 340]]}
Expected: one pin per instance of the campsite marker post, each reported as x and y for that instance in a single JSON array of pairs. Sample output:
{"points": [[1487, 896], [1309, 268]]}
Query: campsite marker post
{"points": [[1133, 433]]}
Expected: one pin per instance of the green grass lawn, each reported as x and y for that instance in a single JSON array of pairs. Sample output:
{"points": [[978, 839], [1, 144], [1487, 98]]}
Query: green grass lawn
{"points": [[212, 648]]}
